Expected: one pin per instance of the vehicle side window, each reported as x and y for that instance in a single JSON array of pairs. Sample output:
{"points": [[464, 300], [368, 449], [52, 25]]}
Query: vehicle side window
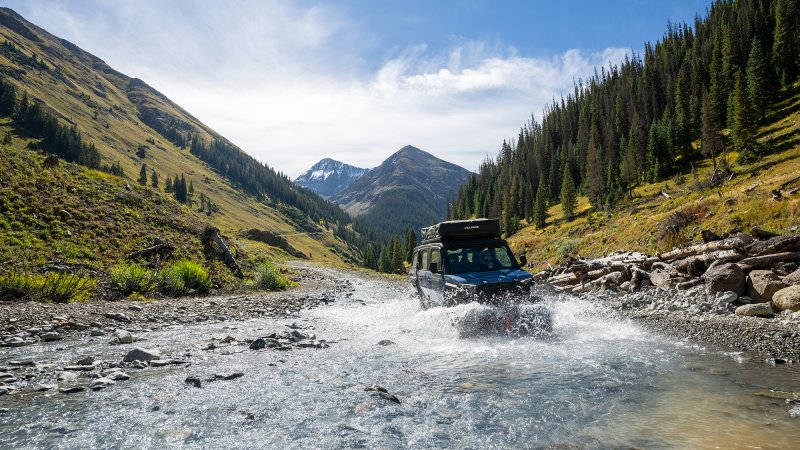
{"points": [[415, 260], [436, 258], [503, 256], [424, 264]]}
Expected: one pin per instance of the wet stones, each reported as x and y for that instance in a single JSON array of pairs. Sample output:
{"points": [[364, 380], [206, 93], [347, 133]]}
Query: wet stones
{"points": [[118, 316], [121, 337], [382, 392], [142, 354], [101, 383], [385, 342]]}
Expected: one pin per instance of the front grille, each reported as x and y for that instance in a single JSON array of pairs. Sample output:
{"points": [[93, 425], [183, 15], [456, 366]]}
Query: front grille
{"points": [[498, 292]]}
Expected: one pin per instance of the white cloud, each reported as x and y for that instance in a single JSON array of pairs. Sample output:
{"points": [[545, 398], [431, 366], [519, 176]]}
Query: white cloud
{"points": [[291, 86]]}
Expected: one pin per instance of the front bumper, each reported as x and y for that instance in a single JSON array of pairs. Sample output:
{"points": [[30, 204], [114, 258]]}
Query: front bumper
{"points": [[487, 293]]}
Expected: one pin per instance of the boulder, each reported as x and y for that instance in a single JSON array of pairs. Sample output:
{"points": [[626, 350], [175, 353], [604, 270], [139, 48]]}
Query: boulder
{"points": [[142, 354], [787, 298], [762, 285], [793, 279], [724, 278], [661, 278], [755, 310], [122, 337]]}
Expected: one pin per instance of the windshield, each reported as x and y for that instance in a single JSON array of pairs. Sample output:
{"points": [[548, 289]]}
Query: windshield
{"points": [[478, 258]]}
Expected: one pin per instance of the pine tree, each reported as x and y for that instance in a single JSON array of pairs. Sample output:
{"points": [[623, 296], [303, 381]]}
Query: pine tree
{"points": [[744, 129], [568, 198], [168, 184], [759, 83], [396, 254], [383, 260], [785, 51], [409, 244], [191, 187], [154, 179], [143, 175], [370, 260], [711, 139], [540, 206]]}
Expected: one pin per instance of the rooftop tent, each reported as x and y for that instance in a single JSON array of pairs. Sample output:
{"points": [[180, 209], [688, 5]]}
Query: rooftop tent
{"points": [[462, 229]]}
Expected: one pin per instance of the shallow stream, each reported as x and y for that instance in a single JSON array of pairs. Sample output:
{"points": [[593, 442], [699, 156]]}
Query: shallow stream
{"points": [[597, 381]]}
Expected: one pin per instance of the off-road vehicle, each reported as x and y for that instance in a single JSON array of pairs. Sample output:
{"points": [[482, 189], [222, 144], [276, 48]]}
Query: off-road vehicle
{"points": [[465, 261]]}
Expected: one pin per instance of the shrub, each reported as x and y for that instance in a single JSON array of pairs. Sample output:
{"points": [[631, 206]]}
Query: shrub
{"points": [[267, 277], [131, 278], [53, 287], [182, 278], [66, 288], [567, 248]]}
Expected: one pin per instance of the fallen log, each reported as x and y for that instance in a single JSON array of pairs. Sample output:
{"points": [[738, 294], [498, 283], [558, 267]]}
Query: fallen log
{"points": [[736, 242], [708, 258], [777, 244], [758, 262], [161, 249], [213, 234]]}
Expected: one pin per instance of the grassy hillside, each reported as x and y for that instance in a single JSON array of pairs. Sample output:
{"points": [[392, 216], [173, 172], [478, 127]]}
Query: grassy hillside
{"points": [[650, 222], [119, 114]]}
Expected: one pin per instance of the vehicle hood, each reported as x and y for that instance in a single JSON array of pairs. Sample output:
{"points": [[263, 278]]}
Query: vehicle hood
{"points": [[497, 276]]}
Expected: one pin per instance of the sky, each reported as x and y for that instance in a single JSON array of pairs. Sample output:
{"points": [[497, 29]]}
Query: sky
{"points": [[292, 82]]}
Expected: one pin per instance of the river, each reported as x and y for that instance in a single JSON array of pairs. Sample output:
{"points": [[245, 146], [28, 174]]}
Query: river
{"points": [[598, 381]]}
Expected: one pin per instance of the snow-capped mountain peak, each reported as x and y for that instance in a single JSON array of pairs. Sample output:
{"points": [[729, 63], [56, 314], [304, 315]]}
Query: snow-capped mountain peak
{"points": [[329, 177]]}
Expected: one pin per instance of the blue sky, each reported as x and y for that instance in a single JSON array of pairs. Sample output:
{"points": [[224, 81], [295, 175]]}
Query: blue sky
{"points": [[292, 82]]}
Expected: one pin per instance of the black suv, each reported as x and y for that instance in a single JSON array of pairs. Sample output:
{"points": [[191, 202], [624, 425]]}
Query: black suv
{"points": [[462, 261]]}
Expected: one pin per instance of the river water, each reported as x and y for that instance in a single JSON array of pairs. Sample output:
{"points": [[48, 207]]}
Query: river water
{"points": [[597, 381]]}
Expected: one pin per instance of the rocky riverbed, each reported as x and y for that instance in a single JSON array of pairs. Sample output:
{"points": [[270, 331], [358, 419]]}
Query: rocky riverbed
{"points": [[127, 324]]}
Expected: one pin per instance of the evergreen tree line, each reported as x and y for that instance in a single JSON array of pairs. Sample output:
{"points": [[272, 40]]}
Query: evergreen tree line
{"points": [[389, 257], [61, 140], [639, 121]]}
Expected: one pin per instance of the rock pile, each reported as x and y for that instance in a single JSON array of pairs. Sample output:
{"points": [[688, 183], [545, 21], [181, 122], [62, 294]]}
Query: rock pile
{"points": [[752, 274]]}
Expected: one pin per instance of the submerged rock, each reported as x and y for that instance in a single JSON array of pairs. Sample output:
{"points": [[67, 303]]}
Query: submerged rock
{"points": [[101, 383], [142, 354]]}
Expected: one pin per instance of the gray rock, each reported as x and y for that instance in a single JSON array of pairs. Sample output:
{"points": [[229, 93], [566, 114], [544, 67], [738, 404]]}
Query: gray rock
{"points": [[194, 381], [385, 342], [86, 361], [160, 362], [661, 278], [96, 332], [762, 285], [118, 376], [71, 389], [755, 310], [725, 298], [725, 278], [6, 390], [142, 354], [80, 368], [40, 387], [118, 317], [50, 336], [135, 308], [122, 337], [787, 298], [101, 383], [228, 376]]}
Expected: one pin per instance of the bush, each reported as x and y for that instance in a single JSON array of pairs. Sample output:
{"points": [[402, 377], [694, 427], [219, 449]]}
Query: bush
{"points": [[53, 287], [131, 278], [266, 277], [182, 278], [567, 249]]}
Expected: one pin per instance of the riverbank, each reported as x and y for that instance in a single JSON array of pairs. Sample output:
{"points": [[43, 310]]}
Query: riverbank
{"points": [[680, 314]]}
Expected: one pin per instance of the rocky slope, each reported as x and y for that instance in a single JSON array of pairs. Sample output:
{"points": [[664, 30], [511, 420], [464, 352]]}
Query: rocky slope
{"points": [[409, 189], [329, 177]]}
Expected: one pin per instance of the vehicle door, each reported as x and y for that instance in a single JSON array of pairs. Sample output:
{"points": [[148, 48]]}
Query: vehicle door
{"points": [[413, 268], [436, 277], [423, 274]]}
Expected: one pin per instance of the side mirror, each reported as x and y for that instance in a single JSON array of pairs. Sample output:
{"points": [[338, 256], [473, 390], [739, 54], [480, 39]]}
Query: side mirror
{"points": [[434, 268], [523, 260]]}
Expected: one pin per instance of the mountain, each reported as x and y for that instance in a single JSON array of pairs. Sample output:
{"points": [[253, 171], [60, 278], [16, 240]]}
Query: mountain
{"points": [[70, 103], [409, 189], [329, 177]]}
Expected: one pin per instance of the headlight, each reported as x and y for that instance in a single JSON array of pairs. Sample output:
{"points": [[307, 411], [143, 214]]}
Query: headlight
{"points": [[459, 293]]}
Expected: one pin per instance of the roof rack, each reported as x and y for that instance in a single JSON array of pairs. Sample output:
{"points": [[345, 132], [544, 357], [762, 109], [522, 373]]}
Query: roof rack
{"points": [[461, 229]]}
